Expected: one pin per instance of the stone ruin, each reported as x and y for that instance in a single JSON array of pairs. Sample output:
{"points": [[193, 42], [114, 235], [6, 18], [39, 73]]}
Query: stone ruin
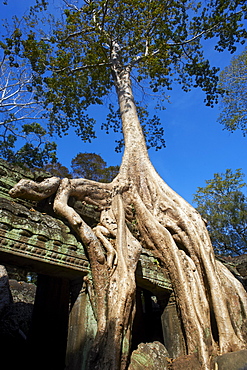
{"points": [[50, 325]]}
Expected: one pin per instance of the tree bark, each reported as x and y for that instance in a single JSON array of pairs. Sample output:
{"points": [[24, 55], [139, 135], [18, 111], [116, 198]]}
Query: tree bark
{"points": [[212, 303], [178, 236]]}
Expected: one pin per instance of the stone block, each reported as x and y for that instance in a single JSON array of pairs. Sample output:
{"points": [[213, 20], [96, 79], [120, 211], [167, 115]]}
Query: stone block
{"points": [[188, 362], [172, 331], [149, 356], [5, 293], [232, 361]]}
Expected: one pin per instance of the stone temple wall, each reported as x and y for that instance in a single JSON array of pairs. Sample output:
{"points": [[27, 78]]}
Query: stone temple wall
{"points": [[60, 326], [33, 238]]}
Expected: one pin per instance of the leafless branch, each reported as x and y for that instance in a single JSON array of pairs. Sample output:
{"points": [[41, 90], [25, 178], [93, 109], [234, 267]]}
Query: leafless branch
{"points": [[81, 68], [17, 102]]}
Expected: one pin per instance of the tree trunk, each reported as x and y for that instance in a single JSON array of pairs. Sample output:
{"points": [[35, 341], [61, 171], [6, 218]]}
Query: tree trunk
{"points": [[211, 301], [207, 295]]}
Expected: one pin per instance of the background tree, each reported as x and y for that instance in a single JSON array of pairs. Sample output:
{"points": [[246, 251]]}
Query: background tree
{"points": [[233, 79], [100, 47], [109, 173], [91, 166], [224, 205], [88, 165], [58, 170], [22, 138]]}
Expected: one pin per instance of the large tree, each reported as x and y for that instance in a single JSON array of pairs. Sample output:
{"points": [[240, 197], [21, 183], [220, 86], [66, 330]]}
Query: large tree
{"points": [[98, 47], [224, 205], [233, 79]]}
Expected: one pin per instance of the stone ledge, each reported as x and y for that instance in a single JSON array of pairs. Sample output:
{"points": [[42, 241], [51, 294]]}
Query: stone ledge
{"points": [[32, 235], [150, 275]]}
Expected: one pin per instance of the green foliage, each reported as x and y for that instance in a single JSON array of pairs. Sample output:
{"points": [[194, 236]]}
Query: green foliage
{"points": [[233, 80], [86, 165], [109, 173], [152, 129], [73, 57], [224, 205], [22, 139], [91, 166], [36, 151], [58, 170]]}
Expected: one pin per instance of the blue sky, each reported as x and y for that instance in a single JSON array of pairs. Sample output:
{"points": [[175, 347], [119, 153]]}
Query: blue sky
{"points": [[196, 144]]}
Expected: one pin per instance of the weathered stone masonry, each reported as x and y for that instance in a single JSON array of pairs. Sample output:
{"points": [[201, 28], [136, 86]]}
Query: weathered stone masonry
{"points": [[63, 324]]}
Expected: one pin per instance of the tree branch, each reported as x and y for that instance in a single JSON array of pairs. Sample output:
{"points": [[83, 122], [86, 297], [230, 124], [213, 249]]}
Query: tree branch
{"points": [[182, 43], [86, 66]]}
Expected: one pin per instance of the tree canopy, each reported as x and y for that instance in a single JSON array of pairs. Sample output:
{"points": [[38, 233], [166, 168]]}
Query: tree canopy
{"points": [[73, 57], [20, 113], [58, 170], [223, 204], [233, 79], [91, 166]]}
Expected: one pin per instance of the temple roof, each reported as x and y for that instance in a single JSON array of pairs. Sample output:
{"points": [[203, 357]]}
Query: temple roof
{"points": [[32, 236]]}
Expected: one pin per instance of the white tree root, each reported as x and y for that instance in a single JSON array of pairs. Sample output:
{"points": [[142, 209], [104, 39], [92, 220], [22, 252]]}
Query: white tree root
{"points": [[28, 189], [102, 232], [205, 290], [179, 237]]}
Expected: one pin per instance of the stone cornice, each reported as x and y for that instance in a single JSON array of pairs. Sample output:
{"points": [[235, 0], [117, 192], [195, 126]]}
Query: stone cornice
{"points": [[32, 236]]}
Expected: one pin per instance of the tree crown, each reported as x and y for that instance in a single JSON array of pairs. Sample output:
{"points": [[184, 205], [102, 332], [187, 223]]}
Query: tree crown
{"points": [[76, 64], [233, 80], [223, 204]]}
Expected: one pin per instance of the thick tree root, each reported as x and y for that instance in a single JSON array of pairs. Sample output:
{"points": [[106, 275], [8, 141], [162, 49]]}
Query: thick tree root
{"points": [[113, 254], [28, 189], [212, 303], [204, 290]]}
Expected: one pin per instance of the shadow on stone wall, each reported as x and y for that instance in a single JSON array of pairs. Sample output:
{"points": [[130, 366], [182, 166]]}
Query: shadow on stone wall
{"points": [[16, 307]]}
